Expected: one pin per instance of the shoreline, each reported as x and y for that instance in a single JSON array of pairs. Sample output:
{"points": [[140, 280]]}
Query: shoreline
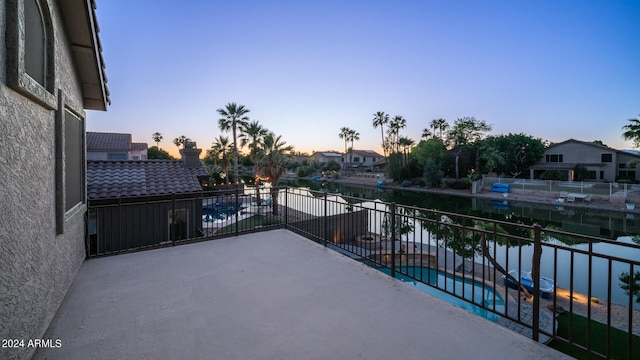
{"points": [[547, 198]]}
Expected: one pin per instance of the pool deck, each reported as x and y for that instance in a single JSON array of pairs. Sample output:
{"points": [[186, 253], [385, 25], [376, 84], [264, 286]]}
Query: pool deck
{"points": [[268, 295]]}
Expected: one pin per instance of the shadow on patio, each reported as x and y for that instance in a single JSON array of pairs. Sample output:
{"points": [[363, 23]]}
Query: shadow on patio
{"points": [[269, 295]]}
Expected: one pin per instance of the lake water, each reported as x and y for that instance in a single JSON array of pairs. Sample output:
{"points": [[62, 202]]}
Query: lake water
{"points": [[618, 226]]}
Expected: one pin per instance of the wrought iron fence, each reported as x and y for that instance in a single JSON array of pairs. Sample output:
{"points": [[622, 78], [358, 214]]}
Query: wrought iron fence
{"points": [[484, 264]]}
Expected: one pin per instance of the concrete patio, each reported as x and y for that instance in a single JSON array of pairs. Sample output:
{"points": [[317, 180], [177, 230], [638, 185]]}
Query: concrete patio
{"points": [[269, 295]]}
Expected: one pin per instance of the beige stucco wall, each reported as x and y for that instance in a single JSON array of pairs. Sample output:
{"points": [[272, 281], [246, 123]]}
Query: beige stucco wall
{"points": [[37, 266], [584, 154]]}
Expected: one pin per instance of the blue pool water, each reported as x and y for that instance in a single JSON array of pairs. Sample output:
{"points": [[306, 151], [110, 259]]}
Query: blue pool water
{"points": [[214, 212], [473, 291]]}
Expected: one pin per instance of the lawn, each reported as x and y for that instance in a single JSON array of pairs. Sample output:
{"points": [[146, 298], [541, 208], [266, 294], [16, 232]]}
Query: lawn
{"points": [[619, 339]]}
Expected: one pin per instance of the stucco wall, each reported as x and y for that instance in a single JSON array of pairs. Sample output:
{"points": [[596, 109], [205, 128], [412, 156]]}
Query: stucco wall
{"points": [[36, 265], [584, 154]]}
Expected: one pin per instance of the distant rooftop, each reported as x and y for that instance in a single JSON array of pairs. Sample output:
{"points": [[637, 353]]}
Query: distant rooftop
{"points": [[108, 141]]}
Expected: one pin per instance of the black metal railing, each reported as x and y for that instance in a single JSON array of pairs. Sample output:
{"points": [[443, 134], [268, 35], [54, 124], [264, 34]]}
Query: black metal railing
{"points": [[466, 257]]}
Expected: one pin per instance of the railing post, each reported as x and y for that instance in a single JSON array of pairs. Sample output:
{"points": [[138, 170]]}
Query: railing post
{"points": [[326, 221], [173, 220], [286, 207], [392, 210], [237, 208], [535, 275]]}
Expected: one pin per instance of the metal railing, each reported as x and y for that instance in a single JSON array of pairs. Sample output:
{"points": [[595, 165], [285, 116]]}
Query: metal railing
{"points": [[466, 257], [555, 186]]}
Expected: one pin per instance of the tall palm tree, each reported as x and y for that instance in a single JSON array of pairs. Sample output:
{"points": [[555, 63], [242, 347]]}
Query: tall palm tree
{"points": [[353, 136], [406, 144], [251, 135], [381, 119], [344, 134], [221, 148], [632, 132], [397, 123], [233, 117], [271, 163], [426, 134], [156, 136], [439, 125]]}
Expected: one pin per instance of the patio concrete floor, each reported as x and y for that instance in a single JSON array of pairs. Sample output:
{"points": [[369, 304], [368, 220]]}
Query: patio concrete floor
{"points": [[268, 295]]}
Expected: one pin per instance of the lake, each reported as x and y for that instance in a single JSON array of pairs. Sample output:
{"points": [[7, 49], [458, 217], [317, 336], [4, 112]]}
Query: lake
{"points": [[611, 225]]}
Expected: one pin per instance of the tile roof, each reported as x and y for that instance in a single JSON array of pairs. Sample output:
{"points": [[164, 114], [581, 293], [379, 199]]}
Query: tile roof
{"points": [[108, 141], [125, 178], [139, 146]]}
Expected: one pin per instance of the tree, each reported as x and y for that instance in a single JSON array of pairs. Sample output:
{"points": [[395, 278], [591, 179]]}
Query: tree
{"points": [[251, 135], [629, 281], [233, 117], [381, 119], [344, 134], [494, 158], [520, 152], [180, 140], [406, 144], [155, 153], [432, 173], [271, 163], [156, 136], [632, 132], [395, 125], [440, 125], [432, 149], [426, 133], [220, 150], [467, 131], [353, 136]]}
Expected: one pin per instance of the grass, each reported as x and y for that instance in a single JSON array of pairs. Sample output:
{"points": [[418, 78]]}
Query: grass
{"points": [[598, 339]]}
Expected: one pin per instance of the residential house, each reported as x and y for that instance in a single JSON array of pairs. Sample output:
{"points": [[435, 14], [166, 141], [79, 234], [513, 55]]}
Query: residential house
{"points": [[601, 162], [140, 185], [322, 158], [114, 146], [51, 70], [362, 158]]}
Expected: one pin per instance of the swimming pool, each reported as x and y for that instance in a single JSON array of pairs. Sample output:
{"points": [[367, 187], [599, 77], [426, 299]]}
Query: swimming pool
{"points": [[213, 212], [473, 291]]}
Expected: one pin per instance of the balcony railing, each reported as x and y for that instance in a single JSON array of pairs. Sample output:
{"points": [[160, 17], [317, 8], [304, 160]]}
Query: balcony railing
{"points": [[464, 256]]}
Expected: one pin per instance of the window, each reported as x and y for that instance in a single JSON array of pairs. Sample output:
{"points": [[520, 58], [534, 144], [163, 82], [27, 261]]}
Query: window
{"points": [[30, 51], [70, 162], [607, 158], [73, 160], [553, 158], [622, 166], [35, 44], [116, 156]]}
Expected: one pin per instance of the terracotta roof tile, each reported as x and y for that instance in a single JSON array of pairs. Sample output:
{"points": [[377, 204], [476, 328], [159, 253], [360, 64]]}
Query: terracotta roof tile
{"points": [[125, 178]]}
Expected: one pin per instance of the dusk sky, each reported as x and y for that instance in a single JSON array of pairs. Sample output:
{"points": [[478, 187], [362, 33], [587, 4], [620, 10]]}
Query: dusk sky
{"points": [[551, 69]]}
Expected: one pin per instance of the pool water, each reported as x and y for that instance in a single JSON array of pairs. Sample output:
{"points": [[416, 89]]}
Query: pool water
{"points": [[468, 289], [218, 212]]}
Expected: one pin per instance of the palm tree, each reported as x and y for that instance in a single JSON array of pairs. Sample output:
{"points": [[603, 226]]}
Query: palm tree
{"points": [[233, 118], [251, 135], [406, 144], [221, 148], [439, 125], [426, 134], [381, 119], [397, 123], [271, 163], [180, 140], [344, 134], [156, 136], [632, 132], [353, 136]]}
